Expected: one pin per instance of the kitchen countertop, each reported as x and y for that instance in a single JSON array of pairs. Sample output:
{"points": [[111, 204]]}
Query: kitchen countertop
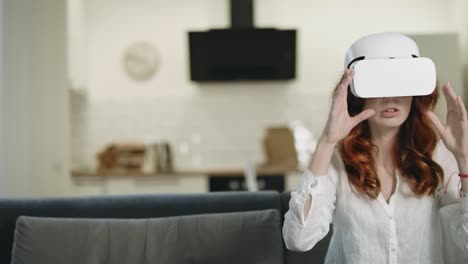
{"points": [[221, 172]]}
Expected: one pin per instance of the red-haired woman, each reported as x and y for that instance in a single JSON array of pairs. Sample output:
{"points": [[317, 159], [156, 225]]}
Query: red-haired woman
{"points": [[384, 187]]}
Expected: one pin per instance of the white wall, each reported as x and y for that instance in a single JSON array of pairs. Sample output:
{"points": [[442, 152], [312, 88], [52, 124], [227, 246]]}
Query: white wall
{"points": [[17, 108], [228, 117], [459, 11], [76, 45], [2, 146], [36, 112]]}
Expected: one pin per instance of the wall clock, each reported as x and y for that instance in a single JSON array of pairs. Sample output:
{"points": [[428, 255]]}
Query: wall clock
{"points": [[141, 61]]}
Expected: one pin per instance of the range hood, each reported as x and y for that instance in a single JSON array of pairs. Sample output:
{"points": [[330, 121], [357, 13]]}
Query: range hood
{"points": [[242, 52]]}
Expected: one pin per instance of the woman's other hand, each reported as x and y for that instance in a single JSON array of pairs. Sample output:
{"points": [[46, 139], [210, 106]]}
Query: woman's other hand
{"points": [[455, 133]]}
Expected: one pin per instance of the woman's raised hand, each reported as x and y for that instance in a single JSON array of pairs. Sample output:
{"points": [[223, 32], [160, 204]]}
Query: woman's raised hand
{"points": [[339, 123], [455, 132]]}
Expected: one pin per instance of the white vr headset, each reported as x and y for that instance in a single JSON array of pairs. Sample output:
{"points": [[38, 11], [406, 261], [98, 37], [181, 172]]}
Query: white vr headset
{"points": [[388, 65]]}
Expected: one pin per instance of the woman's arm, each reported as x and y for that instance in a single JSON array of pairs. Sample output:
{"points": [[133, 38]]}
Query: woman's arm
{"points": [[339, 124], [319, 165], [312, 204], [301, 232], [454, 135], [463, 168], [454, 210]]}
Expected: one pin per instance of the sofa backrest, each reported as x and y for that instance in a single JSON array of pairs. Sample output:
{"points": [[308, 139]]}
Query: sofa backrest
{"points": [[228, 238], [134, 206]]}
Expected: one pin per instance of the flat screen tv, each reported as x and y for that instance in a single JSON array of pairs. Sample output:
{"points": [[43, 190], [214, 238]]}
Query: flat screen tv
{"points": [[242, 54]]}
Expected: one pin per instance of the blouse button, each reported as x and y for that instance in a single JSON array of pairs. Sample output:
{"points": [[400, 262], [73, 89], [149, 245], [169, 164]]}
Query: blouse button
{"points": [[313, 185]]}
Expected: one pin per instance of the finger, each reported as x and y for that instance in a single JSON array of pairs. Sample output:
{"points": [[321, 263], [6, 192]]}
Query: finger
{"points": [[345, 74], [345, 83], [345, 78], [436, 121], [349, 79], [341, 92], [450, 97], [339, 86], [363, 116], [462, 108]]}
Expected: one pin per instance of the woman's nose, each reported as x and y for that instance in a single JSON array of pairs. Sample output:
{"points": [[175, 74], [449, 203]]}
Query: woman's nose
{"points": [[388, 99]]}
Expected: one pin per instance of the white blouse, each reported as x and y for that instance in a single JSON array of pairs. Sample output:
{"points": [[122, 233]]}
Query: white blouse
{"points": [[408, 229]]}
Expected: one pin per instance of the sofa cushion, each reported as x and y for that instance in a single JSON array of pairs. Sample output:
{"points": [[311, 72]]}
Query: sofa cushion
{"points": [[127, 206], [243, 237]]}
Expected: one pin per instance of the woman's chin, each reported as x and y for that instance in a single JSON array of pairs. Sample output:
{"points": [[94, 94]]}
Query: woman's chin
{"points": [[388, 123]]}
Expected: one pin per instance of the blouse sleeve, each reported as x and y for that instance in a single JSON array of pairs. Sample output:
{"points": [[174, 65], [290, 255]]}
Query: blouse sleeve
{"points": [[301, 234], [457, 223]]}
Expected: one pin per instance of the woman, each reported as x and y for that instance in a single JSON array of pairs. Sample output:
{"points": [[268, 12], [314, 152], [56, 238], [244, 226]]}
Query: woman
{"points": [[385, 184]]}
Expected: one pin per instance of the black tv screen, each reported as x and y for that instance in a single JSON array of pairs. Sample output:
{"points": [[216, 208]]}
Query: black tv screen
{"points": [[242, 54]]}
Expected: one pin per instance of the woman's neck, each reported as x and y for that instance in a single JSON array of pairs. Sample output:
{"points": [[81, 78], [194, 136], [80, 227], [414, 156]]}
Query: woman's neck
{"points": [[384, 139]]}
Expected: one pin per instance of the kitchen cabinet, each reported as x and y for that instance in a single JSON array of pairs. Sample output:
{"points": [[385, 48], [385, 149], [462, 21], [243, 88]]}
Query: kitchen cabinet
{"points": [[87, 183]]}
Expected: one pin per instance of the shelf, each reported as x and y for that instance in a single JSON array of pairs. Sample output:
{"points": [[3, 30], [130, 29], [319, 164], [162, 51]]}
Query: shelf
{"points": [[206, 172]]}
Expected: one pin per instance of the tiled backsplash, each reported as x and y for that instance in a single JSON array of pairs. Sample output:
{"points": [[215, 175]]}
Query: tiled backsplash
{"points": [[211, 130]]}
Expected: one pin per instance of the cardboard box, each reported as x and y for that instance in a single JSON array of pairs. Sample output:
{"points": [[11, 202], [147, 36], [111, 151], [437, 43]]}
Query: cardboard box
{"points": [[279, 148]]}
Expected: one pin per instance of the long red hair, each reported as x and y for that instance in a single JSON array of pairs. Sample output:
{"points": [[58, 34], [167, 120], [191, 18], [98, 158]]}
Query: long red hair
{"points": [[412, 153]]}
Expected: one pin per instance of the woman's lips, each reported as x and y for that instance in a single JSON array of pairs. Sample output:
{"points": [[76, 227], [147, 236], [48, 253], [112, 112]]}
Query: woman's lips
{"points": [[390, 112]]}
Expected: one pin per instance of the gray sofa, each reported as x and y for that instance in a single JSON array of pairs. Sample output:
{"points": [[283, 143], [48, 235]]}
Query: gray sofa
{"points": [[225, 227]]}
